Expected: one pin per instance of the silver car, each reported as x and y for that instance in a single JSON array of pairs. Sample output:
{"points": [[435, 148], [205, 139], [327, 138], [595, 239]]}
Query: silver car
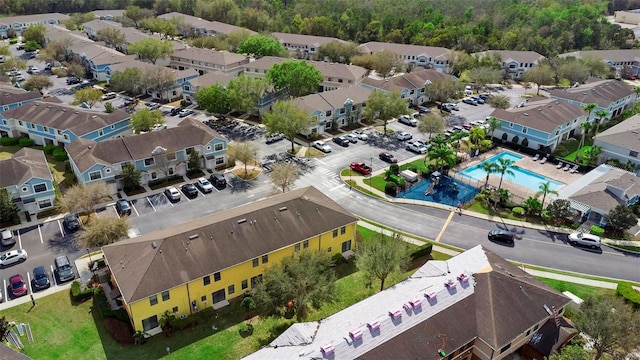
{"points": [[590, 240], [13, 257]]}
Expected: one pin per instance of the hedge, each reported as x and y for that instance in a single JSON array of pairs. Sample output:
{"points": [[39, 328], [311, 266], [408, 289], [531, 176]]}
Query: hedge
{"points": [[397, 179], [517, 211], [423, 250], [13, 41], [80, 295], [390, 189], [597, 230], [59, 154], [9, 141], [48, 149], [626, 290], [23, 141]]}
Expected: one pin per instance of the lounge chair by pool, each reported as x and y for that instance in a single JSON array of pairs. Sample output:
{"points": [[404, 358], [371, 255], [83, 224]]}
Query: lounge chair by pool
{"points": [[544, 160], [535, 158], [574, 169], [567, 167], [560, 165]]}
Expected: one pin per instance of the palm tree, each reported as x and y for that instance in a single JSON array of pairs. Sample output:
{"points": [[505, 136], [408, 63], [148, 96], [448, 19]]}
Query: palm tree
{"points": [[443, 156], [493, 125], [544, 189], [476, 135], [585, 126], [489, 168], [601, 114], [504, 167], [588, 108], [591, 155]]}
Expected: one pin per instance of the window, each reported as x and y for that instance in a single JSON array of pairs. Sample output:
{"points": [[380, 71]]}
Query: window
{"points": [[216, 276], [256, 280], [535, 327], [40, 188], [113, 127], [633, 153], [165, 296], [45, 204], [189, 150], [329, 249], [171, 171], [100, 132], [255, 262], [244, 284], [343, 230], [207, 280], [305, 244], [150, 323], [297, 247], [95, 175], [335, 232], [154, 175], [328, 113], [32, 125], [203, 298], [219, 160], [231, 289], [524, 130], [66, 137], [153, 300], [149, 162], [45, 129], [175, 309], [265, 259], [25, 189], [505, 348], [208, 147], [346, 246]]}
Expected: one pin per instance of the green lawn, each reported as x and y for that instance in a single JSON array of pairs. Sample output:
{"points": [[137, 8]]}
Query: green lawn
{"points": [[578, 290]]}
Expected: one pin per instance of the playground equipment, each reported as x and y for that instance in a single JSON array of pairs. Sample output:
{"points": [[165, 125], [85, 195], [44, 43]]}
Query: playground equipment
{"points": [[435, 180]]}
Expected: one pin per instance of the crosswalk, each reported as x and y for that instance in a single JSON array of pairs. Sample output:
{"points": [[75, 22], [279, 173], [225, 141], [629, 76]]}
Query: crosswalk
{"points": [[322, 178]]}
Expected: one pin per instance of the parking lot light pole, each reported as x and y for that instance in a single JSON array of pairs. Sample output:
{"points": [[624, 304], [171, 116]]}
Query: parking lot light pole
{"points": [[89, 253], [371, 177]]}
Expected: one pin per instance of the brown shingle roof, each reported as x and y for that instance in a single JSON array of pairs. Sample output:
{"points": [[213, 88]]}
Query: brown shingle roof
{"points": [[208, 56], [333, 99], [211, 78], [12, 95], [610, 55], [196, 22], [33, 18], [625, 134], [222, 241], [62, 117], [406, 49], [544, 115], [517, 56], [25, 164], [332, 70], [602, 92], [598, 194], [413, 80], [304, 39]]}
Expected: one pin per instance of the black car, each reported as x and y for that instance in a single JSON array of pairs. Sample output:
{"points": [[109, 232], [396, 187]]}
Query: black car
{"points": [[175, 111], [218, 181], [502, 236], [341, 141], [71, 222], [190, 191], [40, 278], [123, 207], [73, 80], [64, 270], [388, 157]]}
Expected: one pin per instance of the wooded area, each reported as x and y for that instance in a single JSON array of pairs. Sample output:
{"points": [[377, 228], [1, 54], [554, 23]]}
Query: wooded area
{"points": [[548, 27]]}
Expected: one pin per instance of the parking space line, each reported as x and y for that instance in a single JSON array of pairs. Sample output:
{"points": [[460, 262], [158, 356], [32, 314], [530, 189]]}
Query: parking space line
{"points": [[60, 226], [134, 209], [150, 203], [29, 282], [19, 240], [4, 287], [53, 275], [40, 232], [186, 197], [169, 200]]}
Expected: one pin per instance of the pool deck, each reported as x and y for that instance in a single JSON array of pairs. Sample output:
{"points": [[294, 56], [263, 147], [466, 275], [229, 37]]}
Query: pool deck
{"points": [[547, 169]]}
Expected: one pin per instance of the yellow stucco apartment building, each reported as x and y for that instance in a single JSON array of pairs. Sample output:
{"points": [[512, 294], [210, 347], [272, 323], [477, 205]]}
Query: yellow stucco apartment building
{"points": [[211, 260]]}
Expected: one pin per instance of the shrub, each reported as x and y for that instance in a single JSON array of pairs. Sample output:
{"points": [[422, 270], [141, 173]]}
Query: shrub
{"points": [[525, 142], [515, 139], [626, 290], [504, 136], [248, 304], [337, 259], [26, 142], [48, 149], [423, 250], [397, 179], [9, 141], [60, 155], [13, 41], [518, 211], [575, 226], [481, 198], [597, 230], [395, 168], [80, 295], [390, 189]]}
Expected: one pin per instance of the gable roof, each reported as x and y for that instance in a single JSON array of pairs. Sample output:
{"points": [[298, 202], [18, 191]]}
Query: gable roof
{"points": [[285, 38], [189, 133], [219, 241], [130, 34], [100, 55], [606, 55], [625, 134], [413, 80], [209, 56], [602, 93], [544, 115], [517, 56], [211, 78], [406, 49], [196, 22], [25, 164], [497, 303], [57, 32], [12, 95], [65, 117], [33, 18], [332, 99], [327, 69]]}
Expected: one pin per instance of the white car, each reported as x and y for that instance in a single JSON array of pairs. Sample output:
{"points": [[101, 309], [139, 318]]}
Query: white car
{"points": [[416, 147], [274, 138], [322, 146], [172, 193], [403, 135], [158, 127], [361, 135], [204, 185], [13, 257], [352, 138], [590, 240], [109, 96], [423, 142]]}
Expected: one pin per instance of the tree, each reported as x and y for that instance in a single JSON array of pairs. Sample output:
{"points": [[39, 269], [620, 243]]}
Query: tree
{"points": [[297, 78], [135, 13], [167, 28], [591, 155], [539, 75], [194, 162], [499, 101], [31, 45], [489, 168], [442, 155], [532, 205], [337, 51], [88, 95], [585, 126], [11, 63], [560, 210], [37, 82], [494, 124], [574, 71], [150, 49], [104, 231], [287, 119], [384, 106], [597, 66], [245, 92], [612, 325], [430, 123], [213, 99], [504, 167], [381, 256], [130, 177], [601, 116], [112, 37], [476, 136], [4, 328], [485, 75], [4, 50], [298, 283], [571, 352], [34, 33], [8, 209], [442, 90], [82, 199], [160, 79], [58, 49], [145, 119], [234, 38], [544, 189], [283, 175], [384, 61], [459, 61], [127, 80], [244, 152], [261, 45], [76, 69], [621, 218]]}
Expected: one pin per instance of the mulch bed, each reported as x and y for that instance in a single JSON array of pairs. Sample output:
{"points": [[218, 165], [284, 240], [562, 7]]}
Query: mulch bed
{"points": [[119, 330]]}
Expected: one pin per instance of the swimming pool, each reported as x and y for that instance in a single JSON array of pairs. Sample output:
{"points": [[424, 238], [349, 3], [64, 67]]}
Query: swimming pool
{"points": [[520, 176]]}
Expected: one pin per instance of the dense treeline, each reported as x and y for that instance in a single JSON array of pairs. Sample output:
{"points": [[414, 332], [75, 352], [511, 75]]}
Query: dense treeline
{"points": [[546, 26]]}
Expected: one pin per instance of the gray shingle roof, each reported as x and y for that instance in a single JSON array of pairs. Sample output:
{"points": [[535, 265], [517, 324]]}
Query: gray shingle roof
{"points": [[12, 95], [33, 18], [517, 56], [611, 55], [599, 194], [304, 39], [625, 134], [333, 99], [196, 22], [25, 164], [602, 93], [406, 49], [413, 80], [208, 56], [221, 241], [211, 78], [327, 69], [545, 115]]}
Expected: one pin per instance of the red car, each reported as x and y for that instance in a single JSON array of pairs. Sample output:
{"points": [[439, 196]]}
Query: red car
{"points": [[388, 157], [18, 286], [360, 167]]}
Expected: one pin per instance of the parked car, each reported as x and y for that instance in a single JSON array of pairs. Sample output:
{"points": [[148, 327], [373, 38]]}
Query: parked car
{"points": [[423, 142], [189, 191], [204, 185], [18, 287], [387, 157], [186, 112], [123, 207], [361, 135], [83, 84], [322, 146], [271, 138], [7, 238], [109, 96], [423, 110], [40, 278], [470, 101], [172, 193], [478, 99], [218, 180], [352, 138], [175, 111], [73, 80], [71, 222], [341, 141], [408, 120], [403, 135], [580, 238], [63, 268], [152, 106], [501, 236], [33, 70], [360, 167], [13, 257], [20, 46], [20, 77], [453, 106], [416, 147]]}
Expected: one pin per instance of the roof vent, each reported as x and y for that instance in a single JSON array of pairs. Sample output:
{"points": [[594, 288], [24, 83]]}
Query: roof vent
{"points": [[48, 106], [194, 236], [36, 104], [94, 116], [284, 208], [242, 221], [75, 112], [525, 114], [154, 245]]}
